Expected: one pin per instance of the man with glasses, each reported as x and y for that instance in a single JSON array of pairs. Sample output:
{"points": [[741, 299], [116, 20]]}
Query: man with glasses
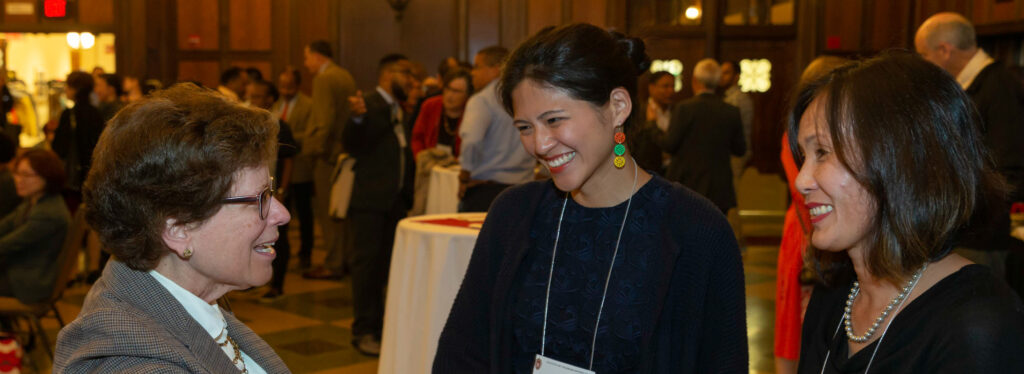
{"points": [[377, 137]]}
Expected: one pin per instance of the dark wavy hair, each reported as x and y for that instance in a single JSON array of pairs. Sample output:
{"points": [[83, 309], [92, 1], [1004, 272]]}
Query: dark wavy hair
{"points": [[175, 155], [583, 60], [909, 135]]}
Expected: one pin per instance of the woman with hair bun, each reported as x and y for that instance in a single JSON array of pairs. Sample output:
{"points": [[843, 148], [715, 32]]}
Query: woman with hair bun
{"points": [[605, 267]]}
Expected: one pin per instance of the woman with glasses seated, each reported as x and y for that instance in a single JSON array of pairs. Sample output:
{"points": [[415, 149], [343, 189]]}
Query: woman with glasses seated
{"points": [[31, 236], [181, 196]]}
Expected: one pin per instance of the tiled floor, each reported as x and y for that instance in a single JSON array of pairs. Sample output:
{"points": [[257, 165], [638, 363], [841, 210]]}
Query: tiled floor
{"points": [[309, 326]]}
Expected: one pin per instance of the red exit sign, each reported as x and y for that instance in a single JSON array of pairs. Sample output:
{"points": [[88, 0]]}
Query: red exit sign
{"points": [[55, 8]]}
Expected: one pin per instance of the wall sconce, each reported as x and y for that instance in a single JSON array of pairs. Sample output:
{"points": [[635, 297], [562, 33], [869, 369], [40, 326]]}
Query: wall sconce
{"points": [[692, 13], [398, 6]]}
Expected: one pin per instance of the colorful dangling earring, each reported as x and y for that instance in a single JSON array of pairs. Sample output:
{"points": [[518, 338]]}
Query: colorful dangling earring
{"points": [[620, 149]]}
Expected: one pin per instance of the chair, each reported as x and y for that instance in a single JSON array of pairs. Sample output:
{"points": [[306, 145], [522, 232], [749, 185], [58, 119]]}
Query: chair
{"points": [[15, 309]]}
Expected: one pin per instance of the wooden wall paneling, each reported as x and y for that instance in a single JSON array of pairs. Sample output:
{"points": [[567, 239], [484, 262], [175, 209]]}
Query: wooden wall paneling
{"points": [[483, 26], [810, 40], [617, 15], [198, 24], [205, 72], [590, 11], [1003, 11], [280, 39], [368, 32], [542, 13], [309, 20], [161, 22], [22, 19], [890, 25], [842, 24], [980, 12], [130, 37], [249, 25], [513, 21], [429, 32], [927, 8], [96, 12]]}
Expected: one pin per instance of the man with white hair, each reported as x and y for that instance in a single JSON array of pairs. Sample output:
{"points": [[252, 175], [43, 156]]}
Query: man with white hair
{"points": [[948, 40], [704, 131]]}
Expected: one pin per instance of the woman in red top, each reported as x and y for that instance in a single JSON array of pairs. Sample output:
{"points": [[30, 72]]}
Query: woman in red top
{"points": [[438, 122]]}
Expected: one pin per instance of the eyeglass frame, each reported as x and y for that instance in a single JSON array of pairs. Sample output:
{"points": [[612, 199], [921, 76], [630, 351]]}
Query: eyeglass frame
{"points": [[258, 199]]}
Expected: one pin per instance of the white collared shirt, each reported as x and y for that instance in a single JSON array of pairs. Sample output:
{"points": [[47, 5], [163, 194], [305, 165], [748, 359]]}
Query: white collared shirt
{"points": [[209, 316], [970, 71]]}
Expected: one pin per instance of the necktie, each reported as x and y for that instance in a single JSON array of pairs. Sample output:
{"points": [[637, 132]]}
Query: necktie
{"points": [[284, 112], [396, 121]]}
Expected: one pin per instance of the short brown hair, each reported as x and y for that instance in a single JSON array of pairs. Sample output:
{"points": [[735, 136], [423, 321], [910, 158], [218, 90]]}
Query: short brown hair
{"points": [[494, 55], [47, 165], [909, 135], [172, 155]]}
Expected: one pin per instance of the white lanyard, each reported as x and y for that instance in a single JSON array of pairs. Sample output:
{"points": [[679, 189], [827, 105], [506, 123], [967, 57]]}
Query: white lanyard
{"points": [[554, 251]]}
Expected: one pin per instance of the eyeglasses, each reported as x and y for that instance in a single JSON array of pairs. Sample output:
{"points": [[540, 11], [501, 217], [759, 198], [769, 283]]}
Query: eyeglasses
{"points": [[263, 199]]}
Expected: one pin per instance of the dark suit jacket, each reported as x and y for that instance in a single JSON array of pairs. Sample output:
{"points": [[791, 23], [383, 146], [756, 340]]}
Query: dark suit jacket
{"points": [[375, 146], [130, 323], [642, 137], [702, 134], [29, 246], [997, 94]]}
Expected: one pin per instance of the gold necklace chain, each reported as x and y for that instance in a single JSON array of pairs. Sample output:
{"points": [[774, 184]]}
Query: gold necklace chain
{"points": [[234, 347]]}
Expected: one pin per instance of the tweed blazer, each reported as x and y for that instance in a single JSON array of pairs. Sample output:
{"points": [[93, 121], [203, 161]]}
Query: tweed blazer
{"points": [[132, 324], [298, 119]]}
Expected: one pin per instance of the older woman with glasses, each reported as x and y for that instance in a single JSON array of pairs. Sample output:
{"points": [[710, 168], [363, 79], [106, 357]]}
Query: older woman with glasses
{"points": [[181, 196]]}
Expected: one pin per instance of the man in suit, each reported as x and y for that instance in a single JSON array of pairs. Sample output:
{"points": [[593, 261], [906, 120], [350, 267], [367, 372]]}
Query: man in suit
{"points": [[294, 108], [948, 40], [377, 136], [704, 130], [332, 85]]}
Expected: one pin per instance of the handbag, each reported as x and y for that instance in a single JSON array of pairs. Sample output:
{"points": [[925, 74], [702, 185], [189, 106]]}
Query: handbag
{"points": [[342, 179]]}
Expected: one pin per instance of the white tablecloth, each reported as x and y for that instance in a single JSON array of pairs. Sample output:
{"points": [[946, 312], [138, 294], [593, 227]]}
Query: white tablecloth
{"points": [[427, 267], [443, 194]]}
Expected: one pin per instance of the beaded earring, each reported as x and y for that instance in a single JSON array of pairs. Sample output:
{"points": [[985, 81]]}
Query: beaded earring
{"points": [[620, 149]]}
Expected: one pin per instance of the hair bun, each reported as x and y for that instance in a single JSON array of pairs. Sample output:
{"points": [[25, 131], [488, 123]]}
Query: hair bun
{"points": [[636, 51]]}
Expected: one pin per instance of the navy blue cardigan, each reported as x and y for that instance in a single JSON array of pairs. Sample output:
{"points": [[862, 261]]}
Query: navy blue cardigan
{"points": [[701, 322]]}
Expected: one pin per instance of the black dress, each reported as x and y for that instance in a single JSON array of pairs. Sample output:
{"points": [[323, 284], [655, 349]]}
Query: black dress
{"points": [[585, 248], [968, 322]]}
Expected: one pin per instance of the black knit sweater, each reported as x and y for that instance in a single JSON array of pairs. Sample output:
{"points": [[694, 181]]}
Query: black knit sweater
{"points": [[697, 324]]}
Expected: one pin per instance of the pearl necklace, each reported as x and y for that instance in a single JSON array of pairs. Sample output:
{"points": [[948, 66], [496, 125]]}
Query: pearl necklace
{"points": [[855, 290]]}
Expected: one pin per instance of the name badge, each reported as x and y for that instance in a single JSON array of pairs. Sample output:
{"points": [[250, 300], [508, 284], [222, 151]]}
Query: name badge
{"points": [[545, 365]]}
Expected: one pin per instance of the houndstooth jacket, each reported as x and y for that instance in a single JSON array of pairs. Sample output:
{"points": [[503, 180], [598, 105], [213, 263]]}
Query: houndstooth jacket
{"points": [[130, 323]]}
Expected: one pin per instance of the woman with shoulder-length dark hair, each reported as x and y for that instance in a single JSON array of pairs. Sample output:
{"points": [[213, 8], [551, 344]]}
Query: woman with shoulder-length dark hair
{"points": [[78, 130], [893, 170], [32, 235], [604, 267], [181, 195]]}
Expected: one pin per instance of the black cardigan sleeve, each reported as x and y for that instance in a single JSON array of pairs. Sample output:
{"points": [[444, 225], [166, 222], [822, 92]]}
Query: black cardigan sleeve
{"points": [[465, 342], [723, 341]]}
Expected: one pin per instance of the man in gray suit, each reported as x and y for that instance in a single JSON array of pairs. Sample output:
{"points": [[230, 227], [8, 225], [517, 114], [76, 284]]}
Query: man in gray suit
{"points": [[294, 108], [704, 130], [332, 85]]}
